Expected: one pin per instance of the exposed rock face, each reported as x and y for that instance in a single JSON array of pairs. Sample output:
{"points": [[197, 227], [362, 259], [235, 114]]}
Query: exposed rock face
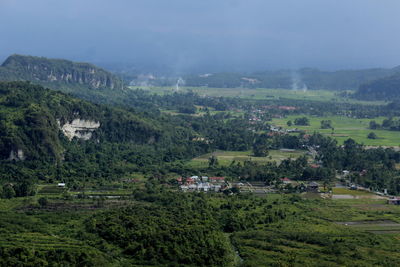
{"points": [[19, 155], [57, 71], [82, 129]]}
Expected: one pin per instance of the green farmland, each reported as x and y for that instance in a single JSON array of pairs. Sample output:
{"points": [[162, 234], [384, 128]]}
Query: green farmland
{"points": [[227, 157], [345, 128], [264, 94]]}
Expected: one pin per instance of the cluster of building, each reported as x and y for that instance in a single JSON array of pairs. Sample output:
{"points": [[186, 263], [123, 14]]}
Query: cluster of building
{"points": [[284, 131], [201, 184]]}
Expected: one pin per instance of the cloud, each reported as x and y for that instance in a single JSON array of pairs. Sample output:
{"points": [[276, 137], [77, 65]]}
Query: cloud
{"points": [[248, 34]]}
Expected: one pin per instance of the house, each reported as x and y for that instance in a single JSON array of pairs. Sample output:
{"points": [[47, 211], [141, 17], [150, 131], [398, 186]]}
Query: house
{"points": [[314, 166], [287, 108], [190, 180], [394, 201], [219, 180], [184, 187], [203, 187], [286, 180], [61, 185], [313, 187], [192, 187], [204, 179], [217, 188]]}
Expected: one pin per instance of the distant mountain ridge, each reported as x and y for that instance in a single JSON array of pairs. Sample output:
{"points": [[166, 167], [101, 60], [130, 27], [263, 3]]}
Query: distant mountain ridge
{"points": [[387, 88], [302, 79], [58, 73]]}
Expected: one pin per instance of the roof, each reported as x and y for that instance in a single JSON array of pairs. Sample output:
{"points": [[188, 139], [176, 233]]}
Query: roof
{"points": [[286, 179], [313, 184], [217, 178]]}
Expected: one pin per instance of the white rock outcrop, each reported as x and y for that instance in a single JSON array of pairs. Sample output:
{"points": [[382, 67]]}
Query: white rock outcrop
{"points": [[82, 129], [18, 155]]}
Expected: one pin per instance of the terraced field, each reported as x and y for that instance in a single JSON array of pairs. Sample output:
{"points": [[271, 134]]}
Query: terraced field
{"points": [[40, 241], [376, 226]]}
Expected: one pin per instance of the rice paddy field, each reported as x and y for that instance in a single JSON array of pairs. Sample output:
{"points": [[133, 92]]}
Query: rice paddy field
{"points": [[227, 157], [345, 128]]}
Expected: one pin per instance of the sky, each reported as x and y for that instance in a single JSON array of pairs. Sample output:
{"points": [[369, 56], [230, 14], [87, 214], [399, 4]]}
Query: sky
{"points": [[206, 35]]}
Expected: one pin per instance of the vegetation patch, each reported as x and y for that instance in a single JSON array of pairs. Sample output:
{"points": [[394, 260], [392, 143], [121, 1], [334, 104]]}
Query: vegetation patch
{"points": [[344, 128]]}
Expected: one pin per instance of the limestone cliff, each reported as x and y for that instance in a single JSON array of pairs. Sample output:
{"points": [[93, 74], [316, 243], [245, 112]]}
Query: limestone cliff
{"points": [[58, 73]]}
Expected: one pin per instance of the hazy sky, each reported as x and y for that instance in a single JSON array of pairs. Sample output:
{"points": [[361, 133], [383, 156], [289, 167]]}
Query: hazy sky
{"points": [[206, 34]]}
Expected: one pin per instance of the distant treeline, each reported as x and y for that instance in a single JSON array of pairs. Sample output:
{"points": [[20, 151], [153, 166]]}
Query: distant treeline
{"points": [[302, 79]]}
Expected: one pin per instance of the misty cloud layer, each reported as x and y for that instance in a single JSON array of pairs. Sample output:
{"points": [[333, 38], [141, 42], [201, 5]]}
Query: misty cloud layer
{"points": [[216, 35]]}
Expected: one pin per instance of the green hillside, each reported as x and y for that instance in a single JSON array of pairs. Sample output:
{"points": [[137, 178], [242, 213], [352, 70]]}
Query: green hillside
{"points": [[387, 88], [31, 117]]}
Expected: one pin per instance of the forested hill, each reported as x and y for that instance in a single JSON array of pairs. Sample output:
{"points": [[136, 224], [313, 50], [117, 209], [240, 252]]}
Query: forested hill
{"points": [[36, 123], [306, 78], [58, 73], [381, 89]]}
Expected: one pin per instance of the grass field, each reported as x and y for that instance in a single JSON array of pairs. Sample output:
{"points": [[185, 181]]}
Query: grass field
{"points": [[345, 191], [226, 157], [345, 128], [265, 93]]}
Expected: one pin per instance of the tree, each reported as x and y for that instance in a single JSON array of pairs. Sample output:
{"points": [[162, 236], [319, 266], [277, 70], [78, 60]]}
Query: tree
{"points": [[289, 123], [304, 121], [326, 124], [8, 191], [212, 161], [373, 125], [261, 145], [43, 201], [372, 135]]}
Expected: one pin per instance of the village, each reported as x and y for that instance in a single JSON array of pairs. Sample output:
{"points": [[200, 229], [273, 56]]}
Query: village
{"points": [[341, 190], [219, 184]]}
